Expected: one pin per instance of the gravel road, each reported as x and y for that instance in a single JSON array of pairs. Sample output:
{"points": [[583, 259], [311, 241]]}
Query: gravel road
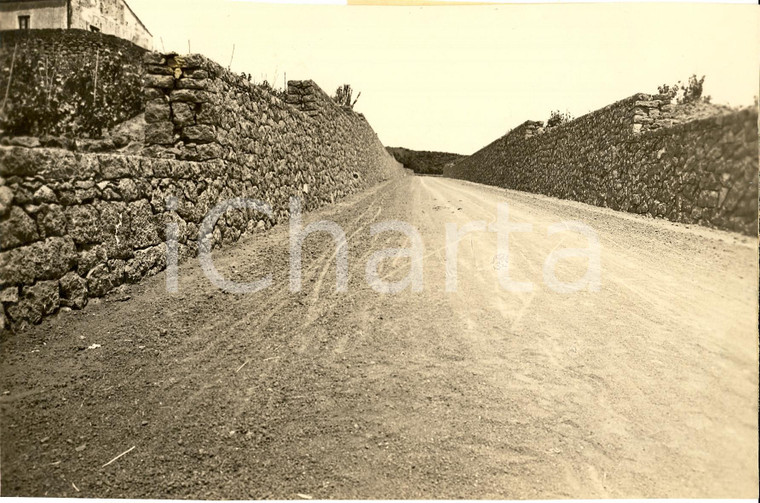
{"points": [[645, 388]]}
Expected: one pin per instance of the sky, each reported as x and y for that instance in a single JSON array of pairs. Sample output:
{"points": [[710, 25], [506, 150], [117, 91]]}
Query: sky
{"points": [[455, 78]]}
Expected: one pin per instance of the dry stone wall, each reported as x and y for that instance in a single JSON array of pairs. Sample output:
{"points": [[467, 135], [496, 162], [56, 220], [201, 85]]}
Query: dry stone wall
{"points": [[75, 225], [632, 156], [197, 110]]}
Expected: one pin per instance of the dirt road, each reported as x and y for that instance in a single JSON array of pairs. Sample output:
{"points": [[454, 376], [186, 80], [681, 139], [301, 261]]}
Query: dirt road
{"points": [[644, 388]]}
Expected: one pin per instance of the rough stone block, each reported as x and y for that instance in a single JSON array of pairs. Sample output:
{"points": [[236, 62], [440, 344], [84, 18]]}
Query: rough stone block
{"points": [[207, 114], [143, 224], [159, 133], [189, 61], [127, 189], [199, 84], [117, 230], [25, 141], [50, 163], [100, 280], [9, 295], [85, 192], [48, 259], [209, 151], [157, 111], [647, 103], [183, 113], [73, 291], [83, 223], [159, 81], [151, 93], [45, 195], [51, 221], [6, 198], [88, 258], [17, 229], [189, 95], [36, 301], [153, 58], [149, 260], [114, 166], [158, 70], [201, 133]]}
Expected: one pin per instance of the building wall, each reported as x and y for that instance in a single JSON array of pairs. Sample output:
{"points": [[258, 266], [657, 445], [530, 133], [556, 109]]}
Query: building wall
{"points": [[42, 14], [113, 17]]}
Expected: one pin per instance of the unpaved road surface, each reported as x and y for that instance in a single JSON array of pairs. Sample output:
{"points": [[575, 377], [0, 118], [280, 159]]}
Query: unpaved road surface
{"points": [[645, 388]]}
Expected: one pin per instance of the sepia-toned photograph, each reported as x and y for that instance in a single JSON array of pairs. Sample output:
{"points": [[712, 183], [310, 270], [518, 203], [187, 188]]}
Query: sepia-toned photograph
{"points": [[378, 250]]}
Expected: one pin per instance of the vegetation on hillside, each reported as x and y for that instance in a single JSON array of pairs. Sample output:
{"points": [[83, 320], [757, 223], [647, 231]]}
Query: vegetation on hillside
{"points": [[422, 161]]}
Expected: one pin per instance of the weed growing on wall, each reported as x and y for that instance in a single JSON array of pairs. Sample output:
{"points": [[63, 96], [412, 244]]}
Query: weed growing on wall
{"points": [[343, 96], [556, 118], [691, 92]]}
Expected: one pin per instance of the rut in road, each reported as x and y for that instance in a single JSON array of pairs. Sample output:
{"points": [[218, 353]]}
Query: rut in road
{"points": [[645, 388]]}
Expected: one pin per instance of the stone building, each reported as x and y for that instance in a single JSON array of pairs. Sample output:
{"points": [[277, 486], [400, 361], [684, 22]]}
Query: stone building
{"points": [[113, 17]]}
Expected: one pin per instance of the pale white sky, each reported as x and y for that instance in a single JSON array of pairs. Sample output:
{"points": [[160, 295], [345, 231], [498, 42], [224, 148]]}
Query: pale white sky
{"points": [[456, 78]]}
